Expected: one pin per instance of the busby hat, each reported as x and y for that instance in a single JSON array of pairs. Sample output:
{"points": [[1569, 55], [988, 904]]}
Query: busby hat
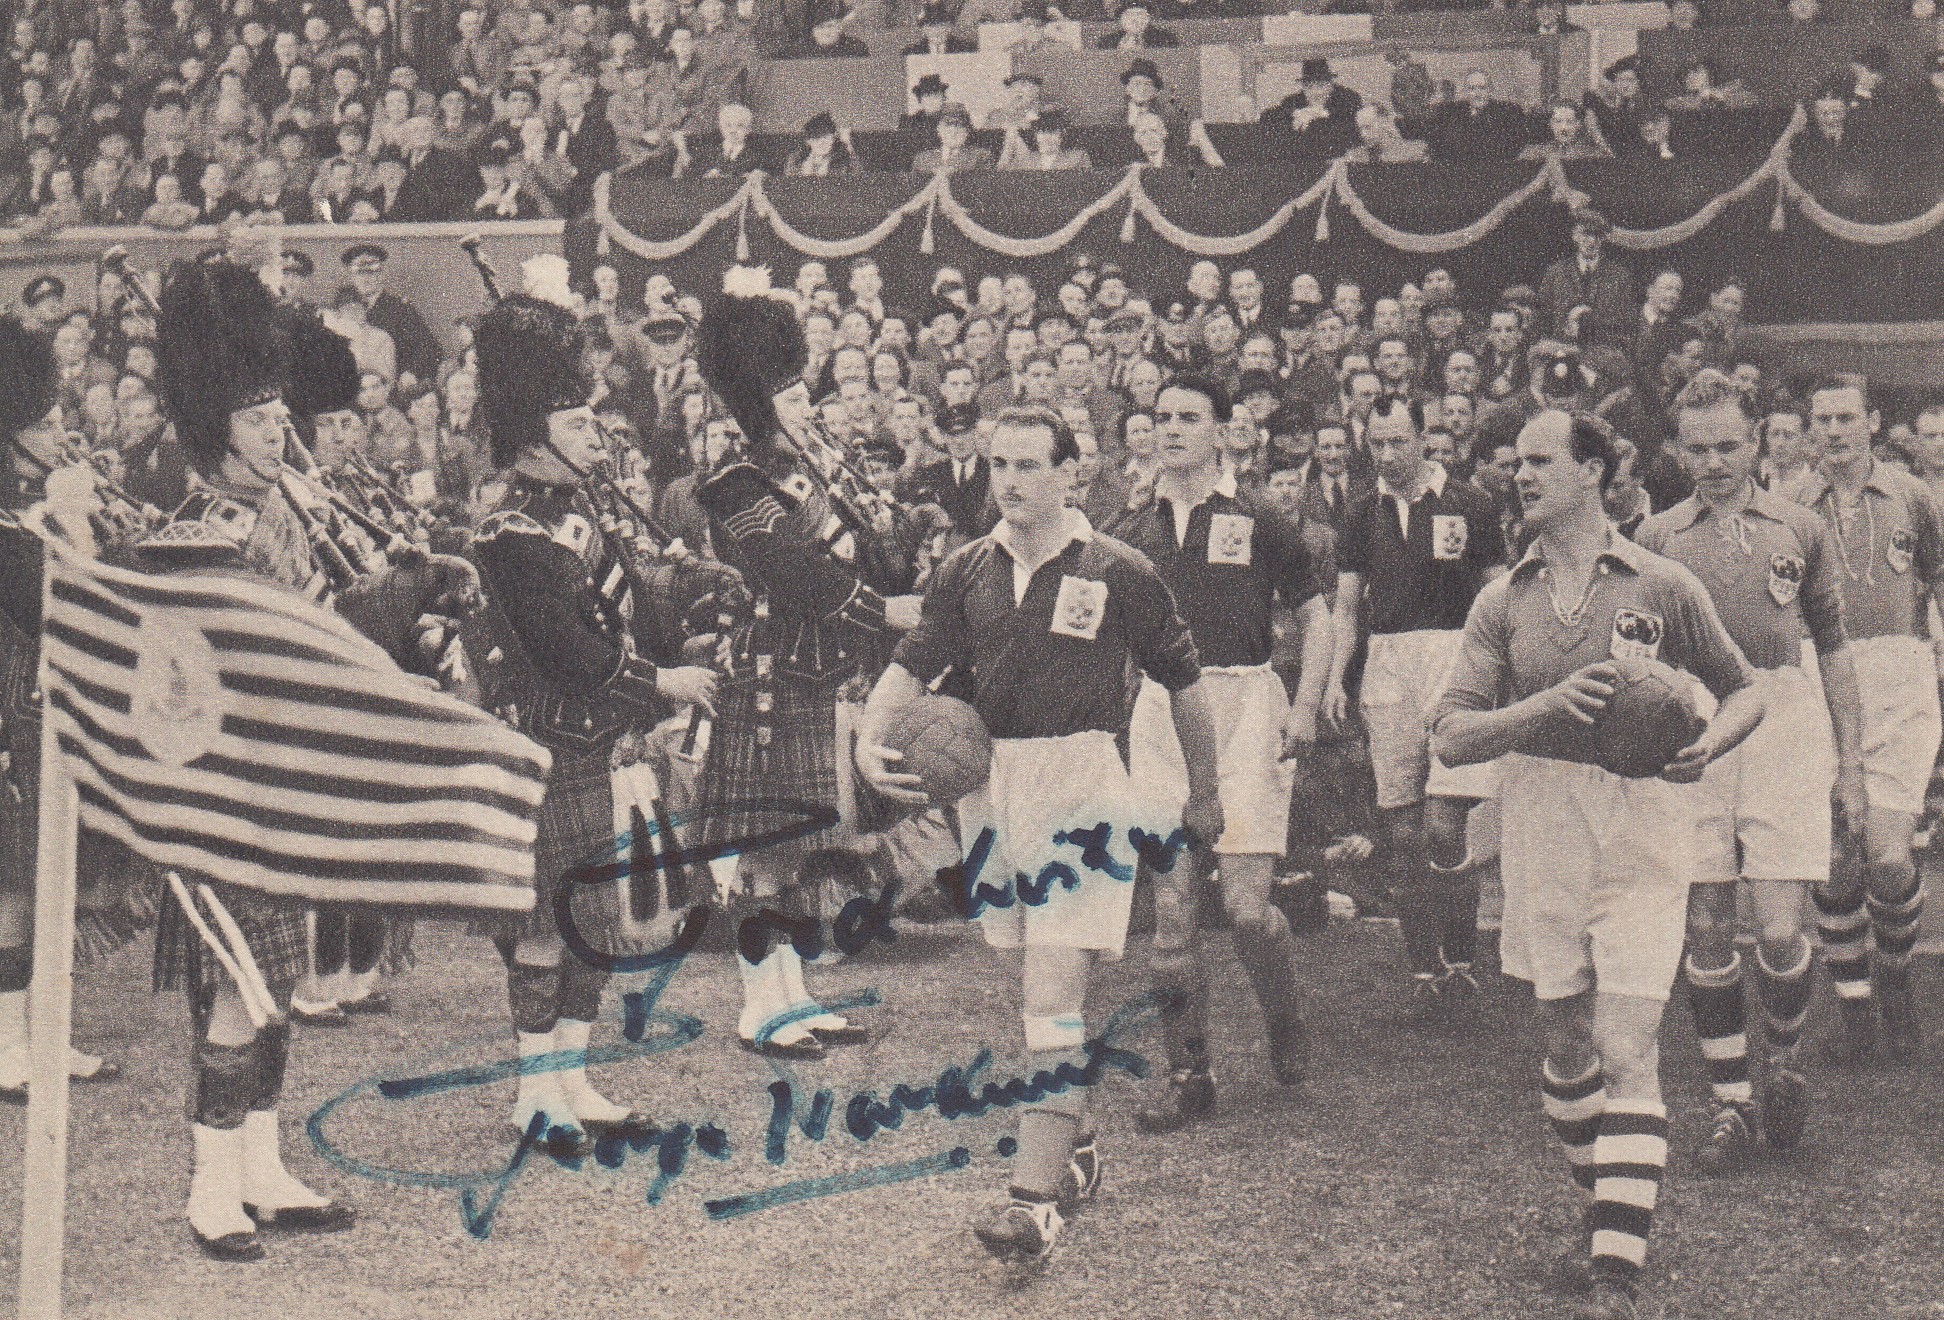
{"points": [[222, 345], [323, 375], [750, 349], [529, 354], [27, 365]]}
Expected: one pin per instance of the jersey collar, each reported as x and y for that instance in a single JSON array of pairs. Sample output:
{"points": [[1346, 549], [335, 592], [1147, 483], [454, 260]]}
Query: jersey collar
{"points": [[1166, 488], [1619, 551]]}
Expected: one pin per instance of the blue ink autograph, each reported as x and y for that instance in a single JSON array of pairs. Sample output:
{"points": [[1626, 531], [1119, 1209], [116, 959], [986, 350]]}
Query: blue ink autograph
{"points": [[956, 1093]]}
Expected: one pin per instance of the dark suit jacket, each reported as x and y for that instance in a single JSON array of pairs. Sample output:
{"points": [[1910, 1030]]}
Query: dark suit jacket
{"points": [[592, 152], [954, 45], [969, 506], [1456, 133], [418, 348], [440, 187], [1608, 291], [1316, 509], [705, 154], [1330, 136]]}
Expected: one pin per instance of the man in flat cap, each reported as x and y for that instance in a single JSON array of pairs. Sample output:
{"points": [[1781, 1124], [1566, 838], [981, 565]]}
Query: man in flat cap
{"points": [[419, 353]]}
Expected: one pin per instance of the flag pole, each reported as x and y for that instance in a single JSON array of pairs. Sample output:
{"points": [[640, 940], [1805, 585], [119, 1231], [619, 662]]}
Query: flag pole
{"points": [[51, 1003]]}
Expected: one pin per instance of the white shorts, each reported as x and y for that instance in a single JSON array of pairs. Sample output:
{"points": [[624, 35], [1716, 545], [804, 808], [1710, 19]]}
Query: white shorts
{"points": [[1763, 809], [1402, 681], [1596, 871], [1249, 705], [1897, 677], [1040, 789]]}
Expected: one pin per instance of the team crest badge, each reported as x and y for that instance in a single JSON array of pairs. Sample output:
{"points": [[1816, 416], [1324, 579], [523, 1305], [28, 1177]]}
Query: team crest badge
{"points": [[1449, 536], [1785, 578], [1230, 536], [1636, 635], [1901, 550], [176, 701], [1081, 605]]}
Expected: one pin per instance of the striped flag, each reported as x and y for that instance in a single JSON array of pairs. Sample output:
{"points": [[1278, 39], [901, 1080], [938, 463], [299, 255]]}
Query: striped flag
{"points": [[220, 725]]}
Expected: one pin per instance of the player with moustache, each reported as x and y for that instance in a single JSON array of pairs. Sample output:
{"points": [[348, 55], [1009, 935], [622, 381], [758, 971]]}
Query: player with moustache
{"points": [[1411, 557], [1596, 866], [1229, 557], [1771, 570], [1045, 615], [1889, 538]]}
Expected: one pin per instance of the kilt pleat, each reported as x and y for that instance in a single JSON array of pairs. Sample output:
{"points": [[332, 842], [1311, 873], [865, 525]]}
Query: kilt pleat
{"points": [[273, 928], [798, 764]]}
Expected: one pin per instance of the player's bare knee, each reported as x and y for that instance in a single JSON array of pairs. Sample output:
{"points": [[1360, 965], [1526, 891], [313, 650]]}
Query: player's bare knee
{"points": [[1712, 919]]}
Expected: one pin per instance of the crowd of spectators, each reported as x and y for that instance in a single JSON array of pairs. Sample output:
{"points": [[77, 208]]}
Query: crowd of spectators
{"points": [[122, 112]]}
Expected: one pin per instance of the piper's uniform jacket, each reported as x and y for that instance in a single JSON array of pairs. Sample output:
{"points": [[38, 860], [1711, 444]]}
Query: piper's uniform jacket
{"points": [[817, 624], [569, 659]]}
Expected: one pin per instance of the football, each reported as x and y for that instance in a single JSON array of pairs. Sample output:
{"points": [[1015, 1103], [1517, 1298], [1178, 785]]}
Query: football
{"points": [[945, 744], [1650, 717]]}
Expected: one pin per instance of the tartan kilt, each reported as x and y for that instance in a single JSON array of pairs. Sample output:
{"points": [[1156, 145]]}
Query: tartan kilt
{"points": [[273, 928], [575, 827], [114, 889], [802, 763]]}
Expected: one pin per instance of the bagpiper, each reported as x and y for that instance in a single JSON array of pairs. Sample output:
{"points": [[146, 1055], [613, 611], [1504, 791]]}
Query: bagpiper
{"points": [[573, 660], [807, 540], [225, 351], [36, 436]]}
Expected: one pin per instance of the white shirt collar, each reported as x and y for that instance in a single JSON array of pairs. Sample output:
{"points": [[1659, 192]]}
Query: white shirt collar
{"points": [[1076, 527]]}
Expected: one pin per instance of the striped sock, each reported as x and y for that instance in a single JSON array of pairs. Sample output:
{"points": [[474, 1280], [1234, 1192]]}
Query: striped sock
{"points": [[1895, 920], [1630, 1159], [1845, 938], [1720, 1020], [1784, 997], [1573, 1107]]}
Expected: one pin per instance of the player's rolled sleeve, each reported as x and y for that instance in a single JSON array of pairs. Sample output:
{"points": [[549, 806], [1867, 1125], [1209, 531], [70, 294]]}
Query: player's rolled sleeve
{"points": [[1821, 598], [1479, 679], [1157, 636], [1707, 650], [939, 641]]}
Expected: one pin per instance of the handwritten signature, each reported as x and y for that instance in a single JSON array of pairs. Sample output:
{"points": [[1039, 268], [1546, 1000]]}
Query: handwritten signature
{"points": [[957, 1092]]}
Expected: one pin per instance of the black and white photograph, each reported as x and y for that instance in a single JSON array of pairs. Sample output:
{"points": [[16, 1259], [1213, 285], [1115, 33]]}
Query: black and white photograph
{"points": [[637, 679]]}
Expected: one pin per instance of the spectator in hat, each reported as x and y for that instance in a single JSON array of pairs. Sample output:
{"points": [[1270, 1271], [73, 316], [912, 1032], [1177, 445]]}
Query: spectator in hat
{"points": [[419, 353], [825, 150], [1141, 87], [1618, 108], [954, 152], [959, 483], [1320, 116], [1022, 105], [1589, 296], [1828, 143], [1136, 31], [938, 36], [1048, 150], [826, 37], [929, 92]]}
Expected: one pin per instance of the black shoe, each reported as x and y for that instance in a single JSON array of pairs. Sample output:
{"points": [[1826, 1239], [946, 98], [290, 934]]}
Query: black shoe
{"points": [[375, 1002], [632, 1123], [808, 1049], [1426, 1008], [1289, 1050], [1730, 1145], [236, 1248], [1190, 1098], [331, 1015], [13, 1095], [1903, 1036], [332, 1218], [1458, 995], [1021, 1231], [848, 1034]]}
